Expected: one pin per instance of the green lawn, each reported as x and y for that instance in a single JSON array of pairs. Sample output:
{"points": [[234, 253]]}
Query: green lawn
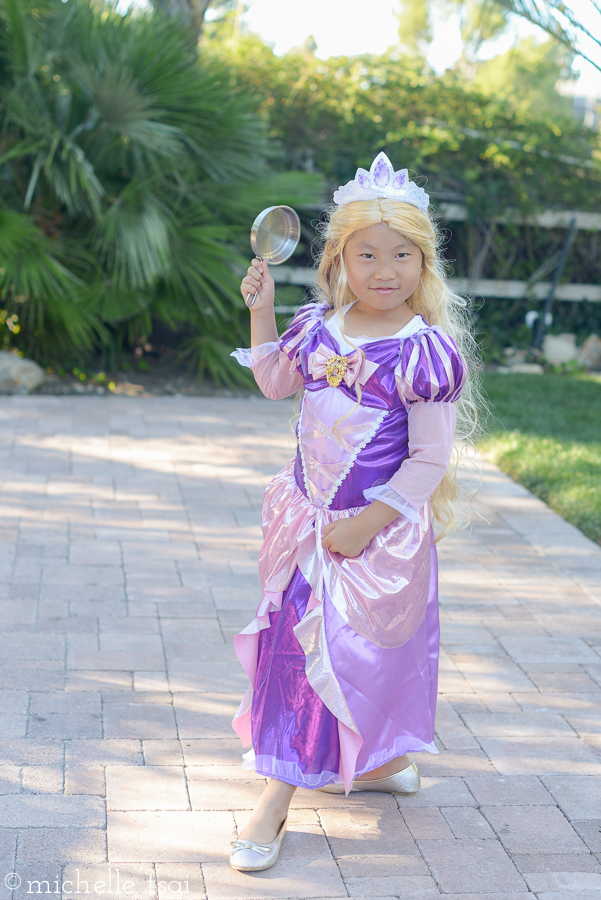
{"points": [[546, 433]]}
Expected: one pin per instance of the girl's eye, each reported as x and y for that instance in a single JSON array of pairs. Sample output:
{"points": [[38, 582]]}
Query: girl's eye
{"points": [[368, 255], [402, 255]]}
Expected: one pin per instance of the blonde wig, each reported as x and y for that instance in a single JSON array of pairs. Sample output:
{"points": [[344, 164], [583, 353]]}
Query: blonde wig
{"points": [[434, 300]]}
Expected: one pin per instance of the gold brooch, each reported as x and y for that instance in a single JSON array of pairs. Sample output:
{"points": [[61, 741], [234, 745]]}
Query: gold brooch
{"points": [[336, 368]]}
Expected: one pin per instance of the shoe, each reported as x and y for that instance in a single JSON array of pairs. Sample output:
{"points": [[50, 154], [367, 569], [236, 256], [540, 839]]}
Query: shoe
{"points": [[406, 781], [248, 856]]}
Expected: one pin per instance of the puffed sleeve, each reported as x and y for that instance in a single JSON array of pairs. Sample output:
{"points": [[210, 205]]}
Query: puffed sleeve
{"points": [[275, 364], [430, 368], [430, 377]]}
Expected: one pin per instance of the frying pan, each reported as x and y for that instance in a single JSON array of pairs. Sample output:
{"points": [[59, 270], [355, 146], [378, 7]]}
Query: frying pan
{"points": [[274, 236]]}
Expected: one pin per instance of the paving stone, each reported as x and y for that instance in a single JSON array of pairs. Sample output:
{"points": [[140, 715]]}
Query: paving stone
{"points": [[28, 752], [564, 881], [51, 810], [104, 753], [170, 836], [439, 792], [549, 649], [590, 832], [84, 780], [98, 681], [31, 674], [578, 796], [42, 779], [176, 879], [471, 866], [212, 751], [509, 790], [146, 787], [299, 879], [68, 726], [426, 823], [415, 886], [455, 762], [128, 879], [14, 702], [309, 799], [151, 681], [539, 756], [366, 830], [61, 845], [206, 715], [561, 862], [115, 659], [533, 829], [517, 724], [372, 866], [569, 895], [140, 720], [8, 845], [467, 823], [41, 877], [162, 753], [10, 782], [217, 793], [202, 675], [523, 895], [564, 682]]}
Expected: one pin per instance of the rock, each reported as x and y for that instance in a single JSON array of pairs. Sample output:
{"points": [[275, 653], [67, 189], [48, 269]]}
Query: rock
{"points": [[514, 356], [17, 375], [589, 354], [559, 348], [526, 369]]}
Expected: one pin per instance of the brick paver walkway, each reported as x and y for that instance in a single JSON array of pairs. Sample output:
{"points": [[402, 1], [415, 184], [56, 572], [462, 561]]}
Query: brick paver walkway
{"points": [[129, 531]]}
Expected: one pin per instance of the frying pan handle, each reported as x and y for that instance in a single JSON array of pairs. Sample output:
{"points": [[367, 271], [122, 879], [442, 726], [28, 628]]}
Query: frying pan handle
{"points": [[250, 301]]}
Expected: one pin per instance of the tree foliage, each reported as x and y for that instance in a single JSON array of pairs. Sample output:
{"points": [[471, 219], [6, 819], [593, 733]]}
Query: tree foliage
{"points": [[333, 115], [129, 169]]}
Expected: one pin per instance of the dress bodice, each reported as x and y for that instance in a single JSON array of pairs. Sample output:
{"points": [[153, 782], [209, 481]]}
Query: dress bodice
{"points": [[353, 435]]}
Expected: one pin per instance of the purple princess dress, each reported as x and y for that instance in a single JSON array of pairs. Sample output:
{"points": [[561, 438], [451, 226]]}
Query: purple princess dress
{"points": [[342, 656]]}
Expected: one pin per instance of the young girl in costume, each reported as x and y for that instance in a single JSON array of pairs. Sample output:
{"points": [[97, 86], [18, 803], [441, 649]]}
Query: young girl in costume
{"points": [[342, 655]]}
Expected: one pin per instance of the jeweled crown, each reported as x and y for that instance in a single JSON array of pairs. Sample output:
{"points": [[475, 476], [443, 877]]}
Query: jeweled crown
{"points": [[382, 181]]}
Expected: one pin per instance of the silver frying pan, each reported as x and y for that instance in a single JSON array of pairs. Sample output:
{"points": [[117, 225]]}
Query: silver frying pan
{"points": [[274, 236]]}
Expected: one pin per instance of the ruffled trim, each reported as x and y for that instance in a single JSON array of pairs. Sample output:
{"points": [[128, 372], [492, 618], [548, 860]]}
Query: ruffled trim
{"points": [[389, 496], [249, 357], [430, 368]]}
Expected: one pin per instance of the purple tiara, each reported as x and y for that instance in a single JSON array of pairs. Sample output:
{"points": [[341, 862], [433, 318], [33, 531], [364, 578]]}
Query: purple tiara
{"points": [[382, 181]]}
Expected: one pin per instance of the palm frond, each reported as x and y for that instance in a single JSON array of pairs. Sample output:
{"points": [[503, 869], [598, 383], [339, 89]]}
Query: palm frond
{"points": [[562, 23]]}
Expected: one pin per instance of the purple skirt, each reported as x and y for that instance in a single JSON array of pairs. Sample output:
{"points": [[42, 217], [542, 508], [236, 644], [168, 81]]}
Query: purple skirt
{"points": [[391, 694]]}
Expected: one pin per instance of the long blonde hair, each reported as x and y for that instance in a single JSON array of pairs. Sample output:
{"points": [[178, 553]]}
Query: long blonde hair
{"points": [[434, 300]]}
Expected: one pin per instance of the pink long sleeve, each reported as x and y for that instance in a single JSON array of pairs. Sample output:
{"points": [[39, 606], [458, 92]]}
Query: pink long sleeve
{"points": [[276, 375], [431, 433], [275, 364]]}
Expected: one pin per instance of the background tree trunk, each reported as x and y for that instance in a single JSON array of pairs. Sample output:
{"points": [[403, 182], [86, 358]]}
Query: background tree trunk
{"points": [[192, 11]]}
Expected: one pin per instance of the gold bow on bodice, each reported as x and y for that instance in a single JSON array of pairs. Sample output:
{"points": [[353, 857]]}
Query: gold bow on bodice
{"points": [[323, 363]]}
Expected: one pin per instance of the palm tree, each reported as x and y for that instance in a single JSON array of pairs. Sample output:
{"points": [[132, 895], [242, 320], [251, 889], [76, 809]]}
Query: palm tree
{"points": [[580, 31], [127, 164]]}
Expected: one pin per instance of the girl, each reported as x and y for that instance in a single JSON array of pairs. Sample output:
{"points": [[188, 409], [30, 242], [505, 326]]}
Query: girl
{"points": [[342, 655]]}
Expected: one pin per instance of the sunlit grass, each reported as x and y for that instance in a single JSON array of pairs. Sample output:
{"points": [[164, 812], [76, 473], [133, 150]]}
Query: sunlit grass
{"points": [[546, 433]]}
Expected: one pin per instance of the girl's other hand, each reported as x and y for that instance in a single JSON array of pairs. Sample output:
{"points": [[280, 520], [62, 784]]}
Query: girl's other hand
{"points": [[350, 537], [258, 278], [346, 536]]}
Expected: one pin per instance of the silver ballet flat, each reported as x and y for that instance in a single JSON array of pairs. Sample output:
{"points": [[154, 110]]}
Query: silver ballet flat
{"points": [[249, 856], [407, 781]]}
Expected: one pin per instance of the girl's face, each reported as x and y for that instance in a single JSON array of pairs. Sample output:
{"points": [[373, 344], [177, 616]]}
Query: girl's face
{"points": [[382, 266]]}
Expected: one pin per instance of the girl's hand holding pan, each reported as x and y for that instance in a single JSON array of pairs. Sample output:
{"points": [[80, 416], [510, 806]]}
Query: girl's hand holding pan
{"points": [[258, 278]]}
